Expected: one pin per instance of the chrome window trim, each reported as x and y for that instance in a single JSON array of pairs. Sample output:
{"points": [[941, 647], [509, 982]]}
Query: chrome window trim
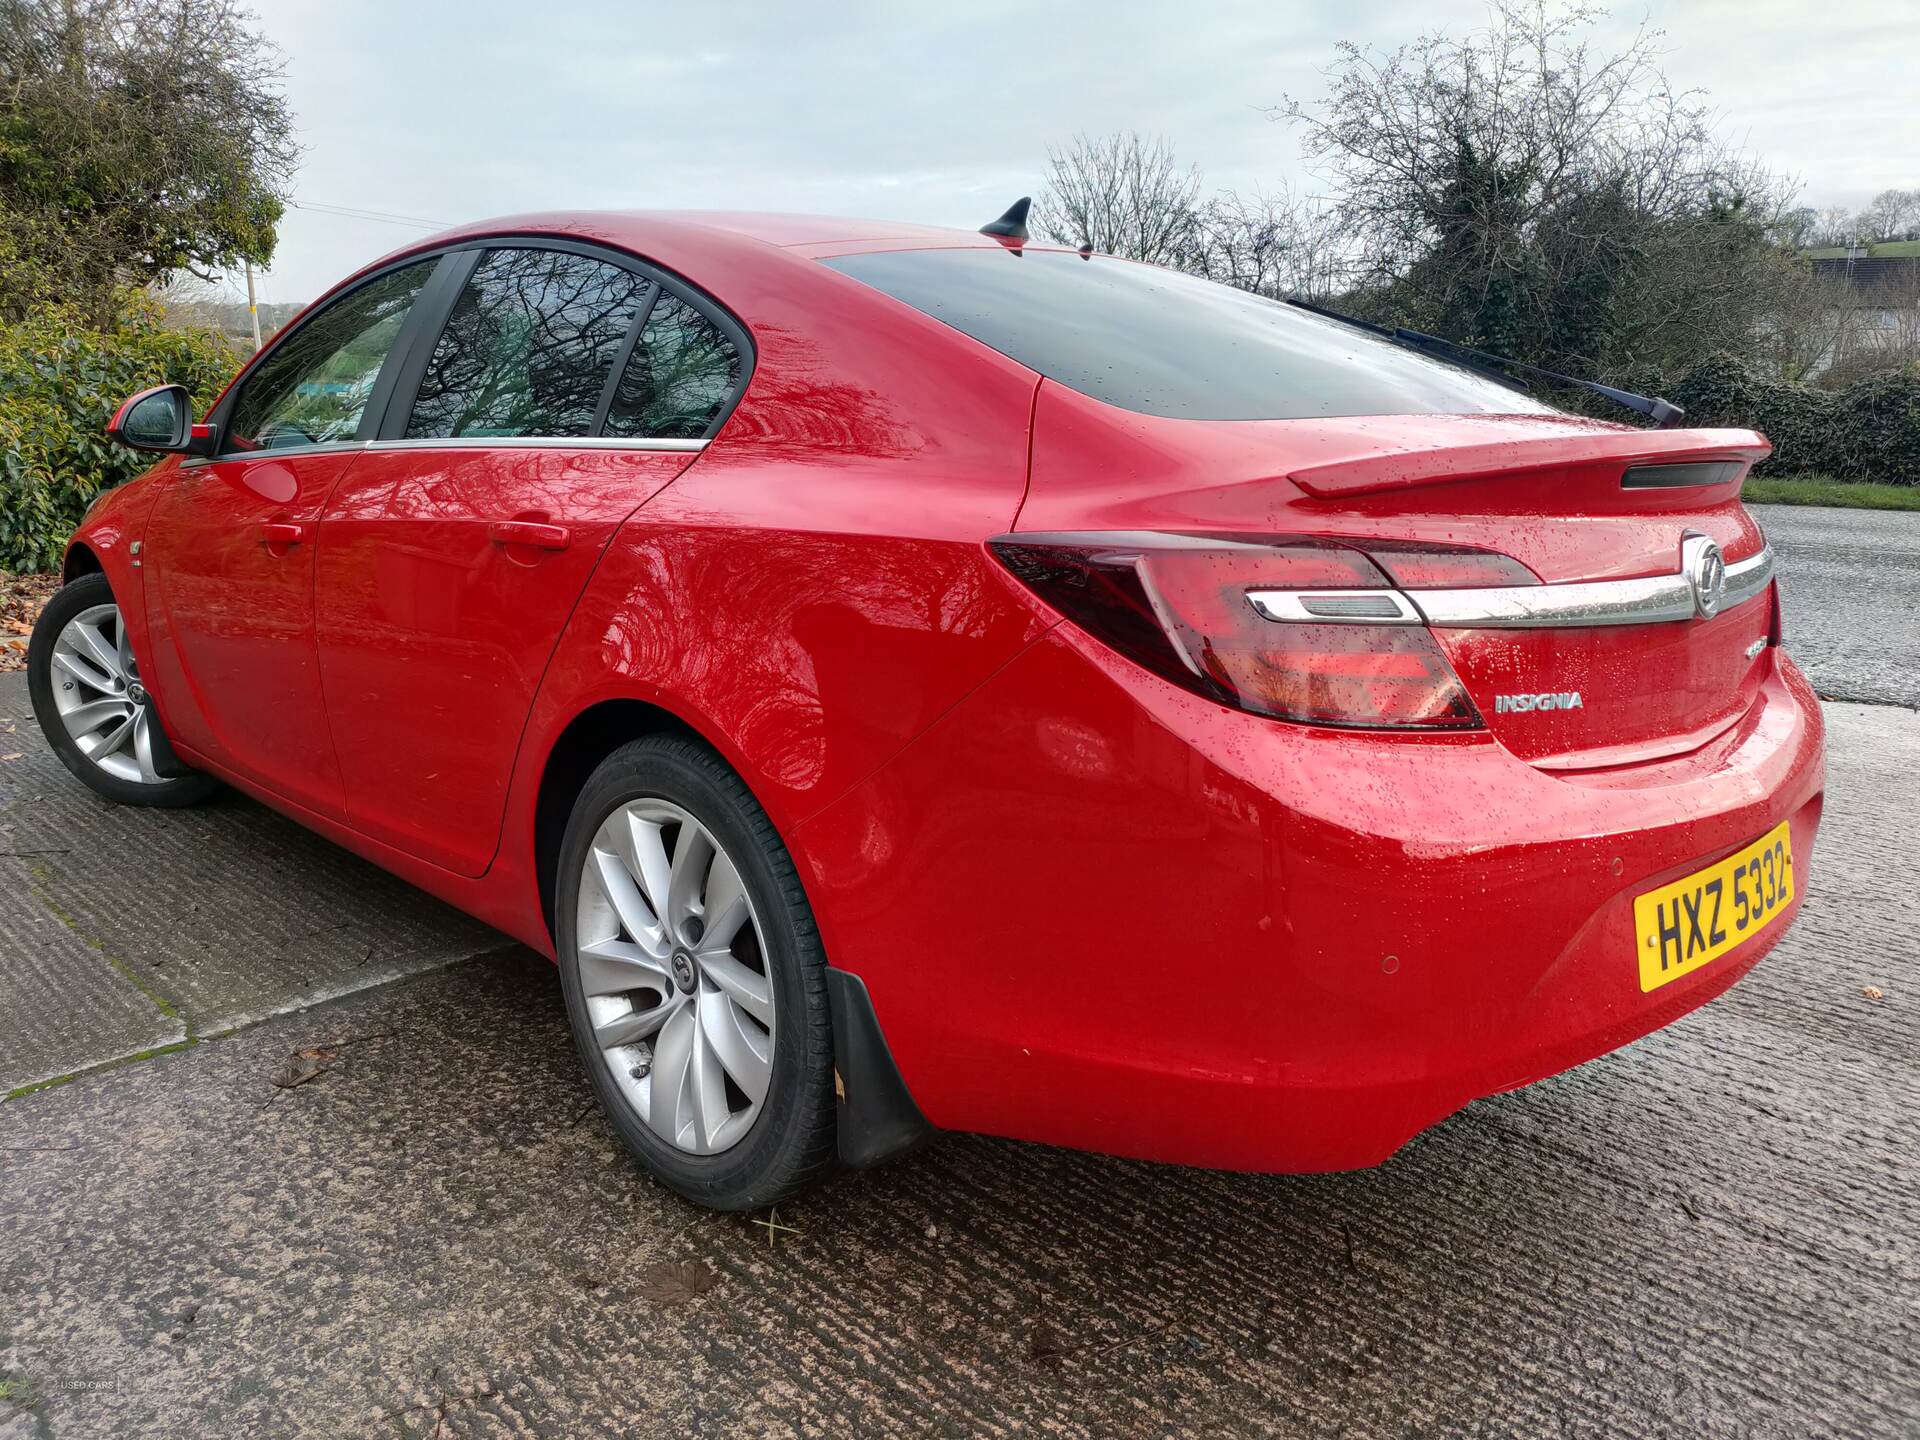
{"points": [[328, 447], [535, 442], [456, 442], [1648, 600]]}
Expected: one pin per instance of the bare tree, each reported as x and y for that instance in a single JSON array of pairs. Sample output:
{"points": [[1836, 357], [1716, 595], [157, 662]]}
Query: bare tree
{"points": [[1882, 330], [1275, 244], [1124, 194], [1129, 196], [1521, 189], [1836, 225], [1814, 320], [1893, 215], [1799, 227]]}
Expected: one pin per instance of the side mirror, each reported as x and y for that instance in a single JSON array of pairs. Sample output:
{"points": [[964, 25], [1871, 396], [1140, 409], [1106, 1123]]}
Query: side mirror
{"points": [[160, 420]]}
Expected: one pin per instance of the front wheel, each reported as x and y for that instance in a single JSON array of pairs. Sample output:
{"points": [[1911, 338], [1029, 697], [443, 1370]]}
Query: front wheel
{"points": [[88, 700], [694, 978]]}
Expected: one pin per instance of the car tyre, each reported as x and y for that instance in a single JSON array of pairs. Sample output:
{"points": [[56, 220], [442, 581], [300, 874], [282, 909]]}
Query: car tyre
{"points": [[94, 715], [679, 1091]]}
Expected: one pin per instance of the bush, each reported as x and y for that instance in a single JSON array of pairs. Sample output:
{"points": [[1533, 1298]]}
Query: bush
{"points": [[1880, 423], [60, 383], [1868, 431]]}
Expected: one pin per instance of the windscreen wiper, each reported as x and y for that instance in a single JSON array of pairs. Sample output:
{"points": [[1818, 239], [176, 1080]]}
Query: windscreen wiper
{"points": [[1663, 413]]}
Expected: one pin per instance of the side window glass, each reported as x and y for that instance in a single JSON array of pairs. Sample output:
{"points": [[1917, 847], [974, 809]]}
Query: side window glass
{"points": [[681, 375], [528, 348], [314, 386]]}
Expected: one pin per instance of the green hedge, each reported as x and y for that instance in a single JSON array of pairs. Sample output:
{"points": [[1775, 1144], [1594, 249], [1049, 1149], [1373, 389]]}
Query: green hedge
{"points": [[60, 383], [1868, 431]]}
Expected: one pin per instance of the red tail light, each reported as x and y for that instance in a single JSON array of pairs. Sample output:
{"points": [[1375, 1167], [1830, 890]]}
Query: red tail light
{"points": [[1178, 605], [1419, 565]]}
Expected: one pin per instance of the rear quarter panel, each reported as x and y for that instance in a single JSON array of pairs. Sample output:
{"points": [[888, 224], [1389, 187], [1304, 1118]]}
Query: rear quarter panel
{"points": [[813, 591]]}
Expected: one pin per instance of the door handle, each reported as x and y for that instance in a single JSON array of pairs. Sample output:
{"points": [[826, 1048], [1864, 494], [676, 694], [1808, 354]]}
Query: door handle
{"points": [[283, 532], [529, 532]]}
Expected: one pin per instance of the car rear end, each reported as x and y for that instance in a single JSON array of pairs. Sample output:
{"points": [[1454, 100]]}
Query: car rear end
{"points": [[1494, 760]]}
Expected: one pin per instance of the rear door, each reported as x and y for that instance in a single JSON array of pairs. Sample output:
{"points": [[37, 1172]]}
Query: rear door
{"points": [[566, 388]]}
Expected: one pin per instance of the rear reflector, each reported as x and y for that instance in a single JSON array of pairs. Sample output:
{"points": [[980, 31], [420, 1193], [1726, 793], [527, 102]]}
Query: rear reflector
{"points": [[1178, 605]]}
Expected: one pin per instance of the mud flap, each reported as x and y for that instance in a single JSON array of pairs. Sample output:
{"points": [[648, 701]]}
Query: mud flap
{"points": [[878, 1119], [166, 764]]}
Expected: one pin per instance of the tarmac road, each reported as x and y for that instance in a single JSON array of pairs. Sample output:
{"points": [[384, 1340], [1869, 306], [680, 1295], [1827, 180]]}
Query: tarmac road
{"points": [[1850, 587], [1712, 1232]]}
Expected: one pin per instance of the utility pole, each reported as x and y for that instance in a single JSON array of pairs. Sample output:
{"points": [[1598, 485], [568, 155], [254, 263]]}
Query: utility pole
{"points": [[253, 310]]}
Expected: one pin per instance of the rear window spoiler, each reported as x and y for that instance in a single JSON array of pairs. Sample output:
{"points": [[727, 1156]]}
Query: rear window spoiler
{"points": [[1617, 449]]}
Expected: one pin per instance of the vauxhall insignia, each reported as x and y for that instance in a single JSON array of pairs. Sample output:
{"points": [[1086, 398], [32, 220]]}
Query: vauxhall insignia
{"points": [[1547, 700]]}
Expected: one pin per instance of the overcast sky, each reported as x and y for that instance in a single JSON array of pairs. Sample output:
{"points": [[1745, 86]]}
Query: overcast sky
{"points": [[941, 112]]}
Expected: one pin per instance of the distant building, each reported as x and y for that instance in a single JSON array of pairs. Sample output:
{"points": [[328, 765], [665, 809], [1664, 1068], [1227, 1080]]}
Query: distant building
{"points": [[1882, 309], [1869, 269]]}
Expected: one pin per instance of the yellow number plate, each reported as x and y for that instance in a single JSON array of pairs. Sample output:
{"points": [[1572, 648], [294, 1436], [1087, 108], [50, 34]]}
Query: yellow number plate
{"points": [[1695, 921]]}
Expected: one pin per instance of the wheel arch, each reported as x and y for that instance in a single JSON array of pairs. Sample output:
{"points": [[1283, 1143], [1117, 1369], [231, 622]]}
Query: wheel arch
{"points": [[80, 560], [592, 735], [875, 1114]]}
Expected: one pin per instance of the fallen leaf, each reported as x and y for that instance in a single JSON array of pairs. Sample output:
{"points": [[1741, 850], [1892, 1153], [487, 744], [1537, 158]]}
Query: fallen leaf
{"points": [[305, 1065], [1873, 992], [16, 755], [675, 1282], [1046, 1343]]}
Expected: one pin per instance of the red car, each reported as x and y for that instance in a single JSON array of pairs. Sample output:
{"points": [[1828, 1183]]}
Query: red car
{"points": [[919, 679]]}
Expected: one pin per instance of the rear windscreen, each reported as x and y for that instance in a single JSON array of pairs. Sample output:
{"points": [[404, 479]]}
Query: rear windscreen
{"points": [[1163, 343]]}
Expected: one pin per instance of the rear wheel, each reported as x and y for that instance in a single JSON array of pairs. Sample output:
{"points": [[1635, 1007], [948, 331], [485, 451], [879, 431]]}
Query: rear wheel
{"points": [[90, 704], [694, 978]]}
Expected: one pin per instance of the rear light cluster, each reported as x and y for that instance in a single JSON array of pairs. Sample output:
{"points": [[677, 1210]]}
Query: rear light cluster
{"points": [[1179, 605]]}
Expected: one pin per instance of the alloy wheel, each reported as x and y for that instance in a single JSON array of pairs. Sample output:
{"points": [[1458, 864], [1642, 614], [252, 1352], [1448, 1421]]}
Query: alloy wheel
{"points": [[673, 966], [96, 689]]}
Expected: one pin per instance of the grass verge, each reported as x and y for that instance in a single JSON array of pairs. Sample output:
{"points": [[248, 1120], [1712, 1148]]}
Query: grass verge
{"points": [[1819, 490]]}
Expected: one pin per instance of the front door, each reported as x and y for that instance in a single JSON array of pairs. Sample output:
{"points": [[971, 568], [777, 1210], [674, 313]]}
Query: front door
{"points": [[229, 548], [453, 552]]}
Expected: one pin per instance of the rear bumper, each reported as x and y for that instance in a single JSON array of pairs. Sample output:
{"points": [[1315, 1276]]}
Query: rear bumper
{"points": [[1094, 910]]}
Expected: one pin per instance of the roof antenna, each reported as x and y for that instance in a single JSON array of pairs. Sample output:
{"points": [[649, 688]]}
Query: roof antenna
{"points": [[1085, 252], [1011, 228]]}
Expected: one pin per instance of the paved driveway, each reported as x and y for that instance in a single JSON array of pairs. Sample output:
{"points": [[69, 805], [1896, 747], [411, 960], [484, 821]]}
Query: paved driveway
{"points": [[1850, 580], [123, 931], [1712, 1232]]}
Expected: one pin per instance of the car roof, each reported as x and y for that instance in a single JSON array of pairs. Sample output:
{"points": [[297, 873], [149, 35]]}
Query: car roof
{"points": [[820, 230], [709, 247], [759, 268], [648, 231]]}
